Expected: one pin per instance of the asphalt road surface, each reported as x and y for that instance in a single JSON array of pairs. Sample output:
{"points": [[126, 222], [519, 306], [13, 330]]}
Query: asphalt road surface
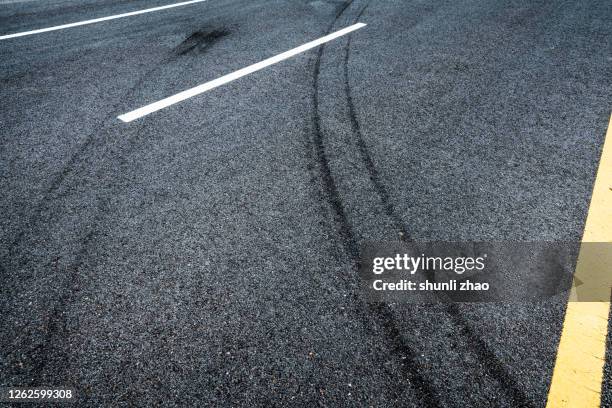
{"points": [[205, 255]]}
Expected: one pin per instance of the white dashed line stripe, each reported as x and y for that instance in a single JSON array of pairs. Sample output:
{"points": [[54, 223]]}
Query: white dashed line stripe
{"points": [[98, 20], [145, 110]]}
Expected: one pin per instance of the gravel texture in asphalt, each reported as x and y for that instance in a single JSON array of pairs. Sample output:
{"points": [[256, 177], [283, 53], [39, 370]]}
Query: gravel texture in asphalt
{"points": [[206, 255]]}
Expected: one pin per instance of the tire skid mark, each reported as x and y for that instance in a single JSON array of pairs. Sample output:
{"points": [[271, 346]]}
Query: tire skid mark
{"points": [[57, 331], [381, 311], [57, 325], [363, 148], [59, 178], [56, 322], [493, 367], [202, 40], [56, 335]]}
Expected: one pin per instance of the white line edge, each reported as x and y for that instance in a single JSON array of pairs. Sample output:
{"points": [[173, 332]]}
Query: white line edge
{"points": [[181, 96], [98, 20]]}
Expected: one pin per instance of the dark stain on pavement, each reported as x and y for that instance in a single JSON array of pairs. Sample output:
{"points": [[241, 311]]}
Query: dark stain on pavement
{"points": [[200, 41]]}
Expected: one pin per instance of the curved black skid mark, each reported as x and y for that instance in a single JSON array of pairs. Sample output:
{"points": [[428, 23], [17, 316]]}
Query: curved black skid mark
{"points": [[380, 310], [56, 323], [200, 40], [363, 148], [494, 367]]}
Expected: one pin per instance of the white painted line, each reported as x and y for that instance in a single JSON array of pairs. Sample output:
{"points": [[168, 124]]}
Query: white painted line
{"points": [[97, 20], [164, 103]]}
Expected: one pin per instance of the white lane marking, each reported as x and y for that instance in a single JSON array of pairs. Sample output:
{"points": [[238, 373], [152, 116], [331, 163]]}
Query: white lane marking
{"points": [[97, 20], [164, 103]]}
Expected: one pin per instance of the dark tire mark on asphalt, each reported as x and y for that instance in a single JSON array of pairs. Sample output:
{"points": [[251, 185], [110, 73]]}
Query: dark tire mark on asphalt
{"points": [[363, 149], [200, 41], [493, 366], [381, 311], [55, 341], [55, 338], [58, 180], [56, 326]]}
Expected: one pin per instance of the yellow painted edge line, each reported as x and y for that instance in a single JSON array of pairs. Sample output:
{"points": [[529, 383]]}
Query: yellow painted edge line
{"points": [[578, 373]]}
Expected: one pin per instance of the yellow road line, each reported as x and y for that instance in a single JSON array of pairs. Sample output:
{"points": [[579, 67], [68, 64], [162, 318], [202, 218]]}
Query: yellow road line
{"points": [[578, 373]]}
